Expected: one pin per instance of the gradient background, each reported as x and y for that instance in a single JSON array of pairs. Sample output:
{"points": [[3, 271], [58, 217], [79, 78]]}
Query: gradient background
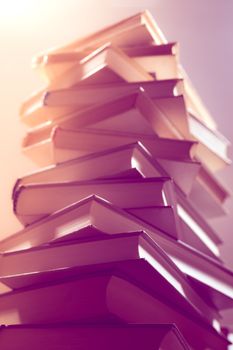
{"points": [[204, 30]]}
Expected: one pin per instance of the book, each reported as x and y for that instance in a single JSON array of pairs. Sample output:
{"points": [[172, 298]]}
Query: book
{"points": [[215, 186], [160, 61], [105, 336], [173, 106], [213, 145], [210, 206], [34, 201], [212, 296], [170, 64], [113, 162], [193, 219], [59, 145], [67, 220], [50, 104]]}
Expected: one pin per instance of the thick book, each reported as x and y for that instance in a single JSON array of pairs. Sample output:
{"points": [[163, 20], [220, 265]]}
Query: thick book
{"points": [[214, 298], [63, 223], [134, 113], [160, 61], [208, 195], [211, 143], [170, 65], [49, 104], [117, 162], [59, 145], [34, 201], [86, 337], [194, 225]]}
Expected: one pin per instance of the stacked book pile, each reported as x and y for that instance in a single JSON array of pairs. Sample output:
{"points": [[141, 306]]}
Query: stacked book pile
{"points": [[116, 252]]}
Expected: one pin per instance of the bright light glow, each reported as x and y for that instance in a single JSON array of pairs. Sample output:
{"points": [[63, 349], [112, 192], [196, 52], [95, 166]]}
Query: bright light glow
{"points": [[197, 230], [12, 9], [135, 164], [164, 199], [175, 91], [12, 316], [203, 277], [158, 267], [230, 338], [20, 246], [216, 325], [4, 288]]}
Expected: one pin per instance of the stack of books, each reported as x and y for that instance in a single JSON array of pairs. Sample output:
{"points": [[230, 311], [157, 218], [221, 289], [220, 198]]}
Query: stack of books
{"points": [[116, 250]]}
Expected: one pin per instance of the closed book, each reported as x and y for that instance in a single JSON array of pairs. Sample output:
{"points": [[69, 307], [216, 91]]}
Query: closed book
{"points": [[116, 162], [104, 337], [50, 104], [34, 201]]}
